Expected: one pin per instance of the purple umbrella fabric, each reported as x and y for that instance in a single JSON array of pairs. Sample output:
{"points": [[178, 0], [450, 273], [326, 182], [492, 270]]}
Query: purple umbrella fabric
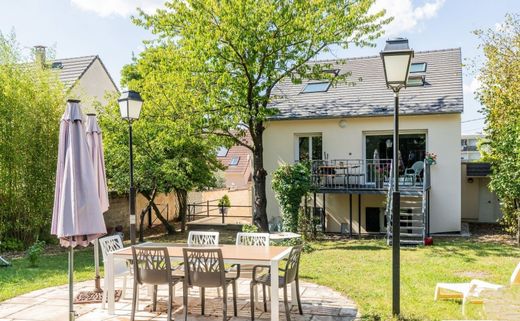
{"points": [[77, 215], [95, 144]]}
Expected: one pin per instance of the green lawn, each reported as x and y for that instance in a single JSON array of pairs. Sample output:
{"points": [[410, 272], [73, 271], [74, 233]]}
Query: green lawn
{"points": [[359, 269]]}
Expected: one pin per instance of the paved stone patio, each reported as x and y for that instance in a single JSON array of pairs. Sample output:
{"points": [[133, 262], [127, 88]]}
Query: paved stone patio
{"points": [[51, 304]]}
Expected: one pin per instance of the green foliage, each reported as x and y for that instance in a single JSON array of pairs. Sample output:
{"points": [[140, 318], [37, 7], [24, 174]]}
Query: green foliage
{"points": [[223, 60], [11, 244], [34, 253], [291, 182], [224, 201], [249, 228], [500, 94], [31, 103]]}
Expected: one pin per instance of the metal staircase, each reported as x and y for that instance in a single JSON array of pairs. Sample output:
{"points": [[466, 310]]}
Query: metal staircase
{"points": [[414, 212]]}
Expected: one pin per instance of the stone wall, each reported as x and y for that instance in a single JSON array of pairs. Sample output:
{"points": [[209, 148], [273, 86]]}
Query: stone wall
{"points": [[237, 197], [118, 212]]}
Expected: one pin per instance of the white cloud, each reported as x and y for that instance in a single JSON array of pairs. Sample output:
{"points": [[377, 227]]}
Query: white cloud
{"points": [[407, 16], [472, 86], [124, 8]]}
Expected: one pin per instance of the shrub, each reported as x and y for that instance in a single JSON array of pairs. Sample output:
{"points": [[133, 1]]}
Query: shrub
{"points": [[224, 201], [249, 228], [34, 252], [291, 182]]}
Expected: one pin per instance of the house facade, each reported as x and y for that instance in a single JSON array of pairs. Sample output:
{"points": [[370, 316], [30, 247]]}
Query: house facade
{"points": [[345, 131]]}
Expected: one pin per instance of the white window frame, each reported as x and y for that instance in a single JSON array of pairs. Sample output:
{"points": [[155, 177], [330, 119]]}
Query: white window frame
{"points": [[297, 147]]}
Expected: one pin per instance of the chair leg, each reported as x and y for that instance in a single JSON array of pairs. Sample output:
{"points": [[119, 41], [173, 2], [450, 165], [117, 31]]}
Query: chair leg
{"points": [[134, 300], [235, 311], [298, 299], [154, 298], [265, 301], [224, 307], [103, 298], [170, 299], [252, 287], [202, 293], [185, 299], [286, 303]]}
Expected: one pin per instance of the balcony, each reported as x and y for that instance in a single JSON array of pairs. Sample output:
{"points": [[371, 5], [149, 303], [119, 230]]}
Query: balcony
{"points": [[365, 176]]}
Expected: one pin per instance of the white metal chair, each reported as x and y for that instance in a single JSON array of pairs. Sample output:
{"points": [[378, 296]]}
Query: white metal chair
{"points": [[252, 239], [414, 172], [203, 238], [121, 268]]}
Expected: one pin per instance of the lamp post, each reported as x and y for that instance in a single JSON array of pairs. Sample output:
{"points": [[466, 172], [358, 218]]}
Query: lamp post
{"points": [[396, 57], [130, 104]]}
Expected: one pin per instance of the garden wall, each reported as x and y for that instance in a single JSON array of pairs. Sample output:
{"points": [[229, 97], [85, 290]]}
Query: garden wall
{"points": [[237, 197], [118, 212]]}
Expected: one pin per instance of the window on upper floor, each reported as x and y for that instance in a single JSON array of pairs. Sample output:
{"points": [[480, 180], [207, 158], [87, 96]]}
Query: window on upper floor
{"points": [[309, 147]]}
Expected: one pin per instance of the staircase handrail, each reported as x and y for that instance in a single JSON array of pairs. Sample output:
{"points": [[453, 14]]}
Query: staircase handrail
{"points": [[389, 200]]}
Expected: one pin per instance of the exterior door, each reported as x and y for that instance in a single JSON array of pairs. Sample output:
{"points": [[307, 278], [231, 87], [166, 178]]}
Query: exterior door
{"points": [[488, 203]]}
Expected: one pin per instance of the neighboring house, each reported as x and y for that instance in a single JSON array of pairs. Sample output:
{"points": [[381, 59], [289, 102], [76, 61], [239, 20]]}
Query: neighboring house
{"points": [[85, 78], [468, 147], [346, 132], [479, 204], [237, 161]]}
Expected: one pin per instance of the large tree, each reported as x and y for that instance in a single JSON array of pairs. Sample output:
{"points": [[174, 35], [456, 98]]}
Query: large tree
{"points": [[500, 94], [31, 103], [233, 54]]}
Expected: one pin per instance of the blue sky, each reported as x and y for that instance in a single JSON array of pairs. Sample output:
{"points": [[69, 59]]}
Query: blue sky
{"points": [[103, 27]]}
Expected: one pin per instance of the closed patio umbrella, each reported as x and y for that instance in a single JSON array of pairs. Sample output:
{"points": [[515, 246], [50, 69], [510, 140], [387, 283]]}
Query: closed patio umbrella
{"points": [[76, 218], [95, 144]]}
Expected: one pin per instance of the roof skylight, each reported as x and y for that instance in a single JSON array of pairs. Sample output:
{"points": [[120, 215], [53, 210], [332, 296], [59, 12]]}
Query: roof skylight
{"points": [[315, 87], [234, 161], [418, 67], [222, 152], [415, 81]]}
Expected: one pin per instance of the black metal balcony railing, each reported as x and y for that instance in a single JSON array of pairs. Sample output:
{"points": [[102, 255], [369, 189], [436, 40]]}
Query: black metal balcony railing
{"points": [[359, 174]]}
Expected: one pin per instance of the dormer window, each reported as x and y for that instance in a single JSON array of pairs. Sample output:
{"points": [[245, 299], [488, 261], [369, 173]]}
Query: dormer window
{"points": [[417, 67], [315, 87]]}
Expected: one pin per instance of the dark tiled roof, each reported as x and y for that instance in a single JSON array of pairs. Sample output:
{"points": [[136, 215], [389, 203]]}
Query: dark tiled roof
{"points": [[72, 69], [368, 96]]}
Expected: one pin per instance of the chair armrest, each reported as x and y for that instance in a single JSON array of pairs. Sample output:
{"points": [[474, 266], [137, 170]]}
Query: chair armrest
{"points": [[236, 267], [258, 267]]}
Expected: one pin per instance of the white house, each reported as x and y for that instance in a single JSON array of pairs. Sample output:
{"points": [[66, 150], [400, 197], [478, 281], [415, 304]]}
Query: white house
{"points": [[346, 132]]}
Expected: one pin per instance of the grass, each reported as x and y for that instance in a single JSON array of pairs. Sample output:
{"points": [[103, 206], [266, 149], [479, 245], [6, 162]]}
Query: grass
{"points": [[359, 269], [51, 271]]}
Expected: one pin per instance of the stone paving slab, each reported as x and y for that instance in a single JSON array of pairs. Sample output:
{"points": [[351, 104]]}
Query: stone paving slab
{"points": [[51, 304]]}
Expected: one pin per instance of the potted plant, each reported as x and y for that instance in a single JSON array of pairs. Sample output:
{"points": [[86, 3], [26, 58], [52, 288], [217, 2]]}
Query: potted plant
{"points": [[223, 204], [430, 158]]}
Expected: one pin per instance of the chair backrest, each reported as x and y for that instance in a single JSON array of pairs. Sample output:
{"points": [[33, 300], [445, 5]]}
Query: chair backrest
{"points": [[151, 265], [203, 238], [418, 167], [204, 267], [293, 264], [109, 244], [252, 239], [515, 277]]}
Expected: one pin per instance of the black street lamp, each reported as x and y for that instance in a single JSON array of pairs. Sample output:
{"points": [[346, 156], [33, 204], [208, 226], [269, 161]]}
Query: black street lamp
{"points": [[130, 104], [397, 57]]}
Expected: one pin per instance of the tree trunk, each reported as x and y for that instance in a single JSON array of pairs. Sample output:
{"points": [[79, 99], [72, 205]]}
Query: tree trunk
{"points": [[169, 229], [259, 178], [182, 199], [150, 198]]}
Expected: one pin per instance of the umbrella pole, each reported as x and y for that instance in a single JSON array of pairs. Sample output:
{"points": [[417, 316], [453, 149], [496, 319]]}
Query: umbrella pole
{"points": [[96, 263], [71, 282]]}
